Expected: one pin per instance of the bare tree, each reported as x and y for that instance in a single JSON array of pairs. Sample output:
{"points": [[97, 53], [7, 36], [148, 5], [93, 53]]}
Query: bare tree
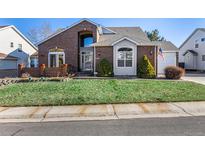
{"points": [[38, 34], [33, 35], [45, 30]]}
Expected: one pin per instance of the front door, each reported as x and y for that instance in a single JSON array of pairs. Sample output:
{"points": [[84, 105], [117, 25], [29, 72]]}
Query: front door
{"points": [[86, 61]]}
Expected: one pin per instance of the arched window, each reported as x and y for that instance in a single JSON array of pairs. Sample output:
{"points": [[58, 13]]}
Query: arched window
{"points": [[125, 57]]}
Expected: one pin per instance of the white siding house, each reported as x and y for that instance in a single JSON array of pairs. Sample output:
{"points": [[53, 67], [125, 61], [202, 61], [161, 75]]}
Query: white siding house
{"points": [[192, 51], [14, 43]]}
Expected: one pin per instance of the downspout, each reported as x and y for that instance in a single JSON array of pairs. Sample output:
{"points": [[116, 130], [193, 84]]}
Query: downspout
{"points": [[156, 61], [94, 61]]}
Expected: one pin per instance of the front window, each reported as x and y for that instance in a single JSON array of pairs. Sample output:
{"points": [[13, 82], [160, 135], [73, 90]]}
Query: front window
{"points": [[88, 41], [124, 57], [56, 57], [53, 60]]}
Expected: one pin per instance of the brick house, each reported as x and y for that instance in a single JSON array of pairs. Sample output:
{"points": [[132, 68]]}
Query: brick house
{"points": [[84, 44]]}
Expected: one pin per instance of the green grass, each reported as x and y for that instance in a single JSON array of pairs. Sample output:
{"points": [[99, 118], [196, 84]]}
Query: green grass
{"points": [[99, 92]]}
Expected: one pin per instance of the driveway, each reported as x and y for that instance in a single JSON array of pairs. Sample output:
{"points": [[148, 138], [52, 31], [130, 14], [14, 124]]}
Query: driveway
{"points": [[195, 77]]}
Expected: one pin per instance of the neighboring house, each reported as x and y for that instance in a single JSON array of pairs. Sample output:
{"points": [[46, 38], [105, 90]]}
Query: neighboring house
{"points": [[192, 51], [8, 63], [84, 44], [14, 44]]}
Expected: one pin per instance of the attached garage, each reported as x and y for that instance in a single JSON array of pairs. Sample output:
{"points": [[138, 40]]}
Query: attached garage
{"points": [[167, 55], [8, 66], [168, 59]]}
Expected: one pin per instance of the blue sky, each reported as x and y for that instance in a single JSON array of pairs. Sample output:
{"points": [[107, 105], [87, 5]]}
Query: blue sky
{"points": [[173, 29]]}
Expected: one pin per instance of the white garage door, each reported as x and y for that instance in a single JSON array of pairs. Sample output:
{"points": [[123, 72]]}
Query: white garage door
{"points": [[168, 60], [8, 64]]}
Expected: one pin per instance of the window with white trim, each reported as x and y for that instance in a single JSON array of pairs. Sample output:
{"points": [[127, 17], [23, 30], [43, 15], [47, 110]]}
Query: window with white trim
{"points": [[20, 47], [56, 59], [125, 57]]}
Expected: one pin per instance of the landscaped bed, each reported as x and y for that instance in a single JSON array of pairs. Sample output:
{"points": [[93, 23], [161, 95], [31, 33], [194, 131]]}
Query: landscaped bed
{"points": [[76, 92]]}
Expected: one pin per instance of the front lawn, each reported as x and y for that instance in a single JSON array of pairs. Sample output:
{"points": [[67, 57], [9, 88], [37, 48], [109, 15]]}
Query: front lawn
{"points": [[99, 92]]}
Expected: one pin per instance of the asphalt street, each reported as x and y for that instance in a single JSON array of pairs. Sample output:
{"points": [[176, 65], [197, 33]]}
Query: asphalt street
{"points": [[177, 126]]}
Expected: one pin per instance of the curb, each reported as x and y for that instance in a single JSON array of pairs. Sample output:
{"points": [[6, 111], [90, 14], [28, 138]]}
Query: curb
{"points": [[101, 112]]}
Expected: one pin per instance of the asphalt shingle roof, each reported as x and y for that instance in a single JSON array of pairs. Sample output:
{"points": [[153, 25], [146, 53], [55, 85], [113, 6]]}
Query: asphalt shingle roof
{"points": [[5, 56], [166, 45], [134, 33]]}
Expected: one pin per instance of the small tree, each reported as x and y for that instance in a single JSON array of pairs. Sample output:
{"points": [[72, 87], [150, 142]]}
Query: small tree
{"points": [[104, 68], [145, 68]]}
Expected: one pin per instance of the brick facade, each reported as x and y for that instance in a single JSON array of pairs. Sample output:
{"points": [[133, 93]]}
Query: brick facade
{"points": [[104, 52], [107, 53], [67, 40], [149, 51]]}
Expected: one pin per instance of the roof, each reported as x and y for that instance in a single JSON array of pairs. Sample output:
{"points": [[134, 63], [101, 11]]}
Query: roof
{"points": [[18, 32], [64, 29], [5, 56], [3, 26], [191, 51], [201, 29], [34, 54], [166, 45], [133, 33]]}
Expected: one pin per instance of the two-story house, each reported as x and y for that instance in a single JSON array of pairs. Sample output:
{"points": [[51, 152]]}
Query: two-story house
{"points": [[15, 49], [192, 51]]}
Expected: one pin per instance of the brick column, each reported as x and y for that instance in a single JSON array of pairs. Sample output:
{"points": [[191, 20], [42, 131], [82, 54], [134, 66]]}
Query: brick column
{"points": [[20, 69], [42, 69], [63, 69]]}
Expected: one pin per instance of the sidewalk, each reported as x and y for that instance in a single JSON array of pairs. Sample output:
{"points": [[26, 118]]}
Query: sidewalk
{"points": [[101, 112]]}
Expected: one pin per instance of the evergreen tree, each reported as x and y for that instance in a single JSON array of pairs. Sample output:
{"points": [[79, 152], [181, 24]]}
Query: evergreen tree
{"points": [[145, 68]]}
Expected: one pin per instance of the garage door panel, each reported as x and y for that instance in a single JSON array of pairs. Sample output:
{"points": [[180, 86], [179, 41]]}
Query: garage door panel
{"points": [[168, 60], [8, 64]]}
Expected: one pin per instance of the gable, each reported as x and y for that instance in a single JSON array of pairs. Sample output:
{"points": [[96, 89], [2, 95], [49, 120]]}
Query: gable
{"points": [[195, 32], [81, 23], [19, 34], [124, 39]]}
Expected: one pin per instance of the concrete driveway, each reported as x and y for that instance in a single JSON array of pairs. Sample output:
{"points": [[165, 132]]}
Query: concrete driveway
{"points": [[195, 77]]}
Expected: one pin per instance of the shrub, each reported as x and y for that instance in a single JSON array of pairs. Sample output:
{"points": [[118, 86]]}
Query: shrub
{"points": [[104, 68], [173, 72], [145, 69]]}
